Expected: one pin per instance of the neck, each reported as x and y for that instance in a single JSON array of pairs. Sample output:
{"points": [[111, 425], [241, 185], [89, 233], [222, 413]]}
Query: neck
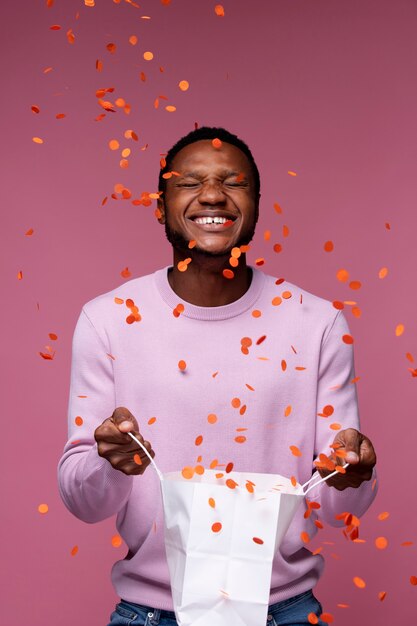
{"points": [[203, 283]]}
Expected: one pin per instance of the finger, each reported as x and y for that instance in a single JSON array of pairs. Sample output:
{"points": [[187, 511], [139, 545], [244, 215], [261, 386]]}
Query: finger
{"points": [[108, 432], [122, 415], [367, 453], [351, 440]]}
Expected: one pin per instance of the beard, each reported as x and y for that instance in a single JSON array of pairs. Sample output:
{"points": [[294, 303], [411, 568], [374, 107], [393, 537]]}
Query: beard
{"points": [[178, 241]]}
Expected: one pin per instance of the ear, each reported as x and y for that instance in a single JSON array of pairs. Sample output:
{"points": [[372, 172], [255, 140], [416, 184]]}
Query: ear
{"points": [[161, 208]]}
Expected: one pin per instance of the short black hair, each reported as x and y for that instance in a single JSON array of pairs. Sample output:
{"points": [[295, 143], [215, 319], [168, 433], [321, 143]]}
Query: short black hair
{"points": [[208, 132]]}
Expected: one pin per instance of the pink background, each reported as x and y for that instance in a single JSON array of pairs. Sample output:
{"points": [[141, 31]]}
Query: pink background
{"points": [[326, 89]]}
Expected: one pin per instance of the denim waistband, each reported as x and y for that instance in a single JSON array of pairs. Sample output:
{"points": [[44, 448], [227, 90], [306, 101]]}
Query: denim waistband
{"points": [[171, 615]]}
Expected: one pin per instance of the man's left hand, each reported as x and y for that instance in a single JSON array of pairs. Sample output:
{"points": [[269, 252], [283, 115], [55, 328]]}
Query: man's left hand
{"points": [[358, 452]]}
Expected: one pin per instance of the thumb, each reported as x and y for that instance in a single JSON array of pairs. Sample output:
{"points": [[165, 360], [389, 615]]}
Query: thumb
{"points": [[351, 440], [123, 419]]}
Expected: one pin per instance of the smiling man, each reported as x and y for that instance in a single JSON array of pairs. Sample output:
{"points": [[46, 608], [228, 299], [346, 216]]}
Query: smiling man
{"points": [[207, 349]]}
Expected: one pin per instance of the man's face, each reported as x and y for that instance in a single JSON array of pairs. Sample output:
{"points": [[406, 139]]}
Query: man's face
{"points": [[212, 201]]}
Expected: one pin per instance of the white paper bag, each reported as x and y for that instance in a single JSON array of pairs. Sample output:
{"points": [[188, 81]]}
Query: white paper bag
{"points": [[223, 578], [221, 539]]}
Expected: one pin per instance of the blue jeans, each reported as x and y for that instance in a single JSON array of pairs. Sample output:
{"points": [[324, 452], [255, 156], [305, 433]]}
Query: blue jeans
{"points": [[291, 612]]}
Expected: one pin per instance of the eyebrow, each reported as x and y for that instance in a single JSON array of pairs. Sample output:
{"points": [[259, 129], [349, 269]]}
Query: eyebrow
{"points": [[197, 174]]}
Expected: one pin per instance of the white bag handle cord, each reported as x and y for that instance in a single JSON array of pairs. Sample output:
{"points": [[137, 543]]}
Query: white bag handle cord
{"points": [[317, 482], [157, 470], [306, 484]]}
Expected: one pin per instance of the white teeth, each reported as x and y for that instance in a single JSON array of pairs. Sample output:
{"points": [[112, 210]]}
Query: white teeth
{"points": [[210, 220]]}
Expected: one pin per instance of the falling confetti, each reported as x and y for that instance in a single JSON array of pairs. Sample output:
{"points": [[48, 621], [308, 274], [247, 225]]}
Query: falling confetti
{"points": [[219, 10], [148, 56], [74, 550], [216, 527], [43, 508], [183, 85], [359, 582], [182, 365], [399, 329], [328, 246], [116, 541]]}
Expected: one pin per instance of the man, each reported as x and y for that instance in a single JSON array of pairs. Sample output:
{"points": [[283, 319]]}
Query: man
{"points": [[208, 349]]}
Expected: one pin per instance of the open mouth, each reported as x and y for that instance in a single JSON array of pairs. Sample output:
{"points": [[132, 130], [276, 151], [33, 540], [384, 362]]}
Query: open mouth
{"points": [[213, 222]]}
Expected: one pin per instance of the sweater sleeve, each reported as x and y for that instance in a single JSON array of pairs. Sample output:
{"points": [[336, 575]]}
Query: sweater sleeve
{"points": [[89, 486], [335, 388]]}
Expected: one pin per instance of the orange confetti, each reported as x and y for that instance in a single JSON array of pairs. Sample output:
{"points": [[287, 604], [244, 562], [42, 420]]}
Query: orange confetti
{"points": [[293, 481], [216, 143], [137, 459], [359, 582], [199, 440], [382, 595], [260, 262], [187, 472], [126, 273], [70, 36], [413, 580], [232, 484], [342, 275], [170, 108], [236, 403], [288, 410], [79, 420], [228, 274], [114, 144], [148, 56], [182, 365], [276, 301], [286, 295], [229, 468], [381, 543], [133, 40], [327, 618], [399, 329], [295, 451], [212, 502], [257, 540], [216, 527], [291, 173], [116, 541], [212, 418], [37, 140], [335, 426], [111, 47], [199, 469], [74, 550], [285, 231], [267, 235], [355, 284], [383, 272], [240, 439], [256, 313], [383, 516], [305, 537], [277, 248], [192, 244], [183, 85], [328, 246], [328, 410], [387, 225], [312, 618], [347, 339], [43, 508], [219, 10]]}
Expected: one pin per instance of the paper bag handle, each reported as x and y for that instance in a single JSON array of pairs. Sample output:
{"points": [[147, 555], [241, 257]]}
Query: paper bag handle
{"points": [[157, 470], [312, 482]]}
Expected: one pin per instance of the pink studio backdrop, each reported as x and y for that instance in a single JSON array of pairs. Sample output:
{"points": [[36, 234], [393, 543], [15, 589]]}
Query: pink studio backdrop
{"points": [[325, 89]]}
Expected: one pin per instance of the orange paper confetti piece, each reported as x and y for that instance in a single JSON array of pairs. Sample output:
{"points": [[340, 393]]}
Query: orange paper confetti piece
{"points": [[295, 451], [137, 459], [327, 618], [288, 410], [348, 339], [383, 272], [216, 527], [182, 365], [183, 85], [37, 140], [399, 329], [116, 541], [43, 508], [359, 582], [383, 515], [199, 440], [74, 550], [133, 40], [382, 595], [381, 543], [148, 56], [79, 420], [228, 274], [276, 301], [125, 273], [257, 540], [342, 275], [312, 618], [232, 484], [187, 472], [305, 537], [219, 10], [328, 246], [413, 580]]}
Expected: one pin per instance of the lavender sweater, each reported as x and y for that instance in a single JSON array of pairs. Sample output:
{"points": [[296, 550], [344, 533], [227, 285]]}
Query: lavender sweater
{"points": [[302, 363]]}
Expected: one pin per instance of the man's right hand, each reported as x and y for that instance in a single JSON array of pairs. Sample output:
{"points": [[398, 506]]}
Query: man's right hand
{"points": [[117, 447]]}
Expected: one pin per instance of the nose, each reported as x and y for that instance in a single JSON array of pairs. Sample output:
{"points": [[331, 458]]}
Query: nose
{"points": [[212, 193]]}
